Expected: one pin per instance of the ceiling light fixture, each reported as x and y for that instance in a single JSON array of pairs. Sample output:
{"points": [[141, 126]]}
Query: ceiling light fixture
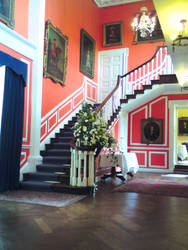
{"points": [[180, 39]]}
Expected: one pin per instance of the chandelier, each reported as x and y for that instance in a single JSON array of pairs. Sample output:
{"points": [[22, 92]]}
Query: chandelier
{"points": [[144, 23]]}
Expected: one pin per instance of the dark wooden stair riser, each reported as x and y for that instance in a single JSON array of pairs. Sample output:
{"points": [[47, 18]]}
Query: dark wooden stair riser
{"points": [[42, 176]]}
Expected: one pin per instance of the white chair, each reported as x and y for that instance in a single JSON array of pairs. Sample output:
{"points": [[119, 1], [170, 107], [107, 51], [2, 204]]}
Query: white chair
{"points": [[182, 152]]}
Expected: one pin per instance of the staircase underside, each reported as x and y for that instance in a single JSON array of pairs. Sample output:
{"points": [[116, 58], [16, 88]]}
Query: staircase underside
{"points": [[167, 84]]}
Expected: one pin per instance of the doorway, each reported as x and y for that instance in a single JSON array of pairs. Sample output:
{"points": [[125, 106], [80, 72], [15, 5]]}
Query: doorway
{"points": [[178, 108], [111, 64]]}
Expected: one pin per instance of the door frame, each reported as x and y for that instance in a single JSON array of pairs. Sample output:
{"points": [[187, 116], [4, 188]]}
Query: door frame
{"points": [[173, 129], [124, 52]]}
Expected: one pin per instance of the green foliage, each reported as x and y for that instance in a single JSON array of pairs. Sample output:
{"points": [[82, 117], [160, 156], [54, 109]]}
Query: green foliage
{"points": [[91, 131]]}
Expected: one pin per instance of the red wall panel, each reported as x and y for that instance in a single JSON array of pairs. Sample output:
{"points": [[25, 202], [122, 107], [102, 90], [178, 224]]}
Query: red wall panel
{"points": [[157, 159], [142, 159], [135, 125], [151, 156]]}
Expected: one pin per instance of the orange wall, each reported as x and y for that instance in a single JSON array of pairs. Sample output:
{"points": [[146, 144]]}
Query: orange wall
{"points": [[139, 53], [21, 17], [70, 17]]}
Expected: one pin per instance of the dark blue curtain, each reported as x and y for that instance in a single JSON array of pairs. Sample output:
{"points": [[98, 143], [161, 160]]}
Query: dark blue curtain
{"points": [[16, 65], [11, 130]]}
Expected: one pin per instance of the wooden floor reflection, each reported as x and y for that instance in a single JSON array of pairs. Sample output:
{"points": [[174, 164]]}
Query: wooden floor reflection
{"points": [[118, 221]]}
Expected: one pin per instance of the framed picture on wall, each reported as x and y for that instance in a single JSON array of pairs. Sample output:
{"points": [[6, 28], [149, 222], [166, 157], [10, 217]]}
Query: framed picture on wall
{"points": [[183, 126], [112, 34], [87, 54], [157, 34], [7, 12], [152, 131], [55, 54]]}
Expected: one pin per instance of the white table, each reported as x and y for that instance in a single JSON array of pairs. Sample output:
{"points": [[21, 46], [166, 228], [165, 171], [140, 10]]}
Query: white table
{"points": [[182, 152], [127, 162]]}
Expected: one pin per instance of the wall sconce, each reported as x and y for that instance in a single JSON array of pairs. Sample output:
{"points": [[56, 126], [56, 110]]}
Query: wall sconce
{"points": [[180, 39]]}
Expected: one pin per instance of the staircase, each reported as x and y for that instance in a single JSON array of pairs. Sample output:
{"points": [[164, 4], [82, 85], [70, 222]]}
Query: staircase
{"points": [[163, 79], [53, 175]]}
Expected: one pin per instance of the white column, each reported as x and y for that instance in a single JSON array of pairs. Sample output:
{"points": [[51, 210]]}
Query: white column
{"points": [[79, 168], [85, 169], [123, 130], [73, 168], [91, 177], [36, 37]]}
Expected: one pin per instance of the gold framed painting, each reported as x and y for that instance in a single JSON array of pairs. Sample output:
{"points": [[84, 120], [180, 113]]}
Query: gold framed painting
{"points": [[87, 54], [55, 54], [7, 12], [112, 34], [183, 126], [152, 131]]}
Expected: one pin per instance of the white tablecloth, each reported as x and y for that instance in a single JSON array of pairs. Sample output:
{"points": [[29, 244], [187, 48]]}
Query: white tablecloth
{"points": [[182, 152], [127, 162]]}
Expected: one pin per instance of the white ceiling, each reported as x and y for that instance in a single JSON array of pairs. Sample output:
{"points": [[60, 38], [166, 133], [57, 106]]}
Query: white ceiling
{"points": [[105, 3]]}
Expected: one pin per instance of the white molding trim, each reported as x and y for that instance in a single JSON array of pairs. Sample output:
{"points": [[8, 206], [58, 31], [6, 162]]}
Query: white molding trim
{"points": [[162, 171], [28, 98], [145, 157], [149, 148], [131, 123], [23, 170], [61, 104], [57, 129], [16, 42], [166, 115], [36, 28], [158, 167]]}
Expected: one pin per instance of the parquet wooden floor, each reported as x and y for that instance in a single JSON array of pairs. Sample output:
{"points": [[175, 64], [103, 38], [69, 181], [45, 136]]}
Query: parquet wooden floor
{"points": [[110, 221]]}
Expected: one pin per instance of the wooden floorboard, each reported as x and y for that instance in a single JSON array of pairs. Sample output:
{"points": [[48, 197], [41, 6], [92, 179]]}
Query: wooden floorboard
{"points": [[110, 221]]}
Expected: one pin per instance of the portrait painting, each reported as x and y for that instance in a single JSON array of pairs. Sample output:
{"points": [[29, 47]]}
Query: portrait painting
{"points": [[55, 54], [7, 12], [157, 34], [112, 34], [152, 131], [183, 126], [87, 54]]}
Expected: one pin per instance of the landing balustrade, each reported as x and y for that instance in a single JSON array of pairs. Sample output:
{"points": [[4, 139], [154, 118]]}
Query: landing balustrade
{"points": [[82, 162], [159, 64]]}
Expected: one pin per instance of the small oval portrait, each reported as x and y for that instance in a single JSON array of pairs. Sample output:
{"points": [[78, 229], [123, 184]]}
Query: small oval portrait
{"points": [[152, 131]]}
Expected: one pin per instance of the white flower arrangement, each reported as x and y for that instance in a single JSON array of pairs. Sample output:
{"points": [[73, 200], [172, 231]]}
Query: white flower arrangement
{"points": [[91, 131]]}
